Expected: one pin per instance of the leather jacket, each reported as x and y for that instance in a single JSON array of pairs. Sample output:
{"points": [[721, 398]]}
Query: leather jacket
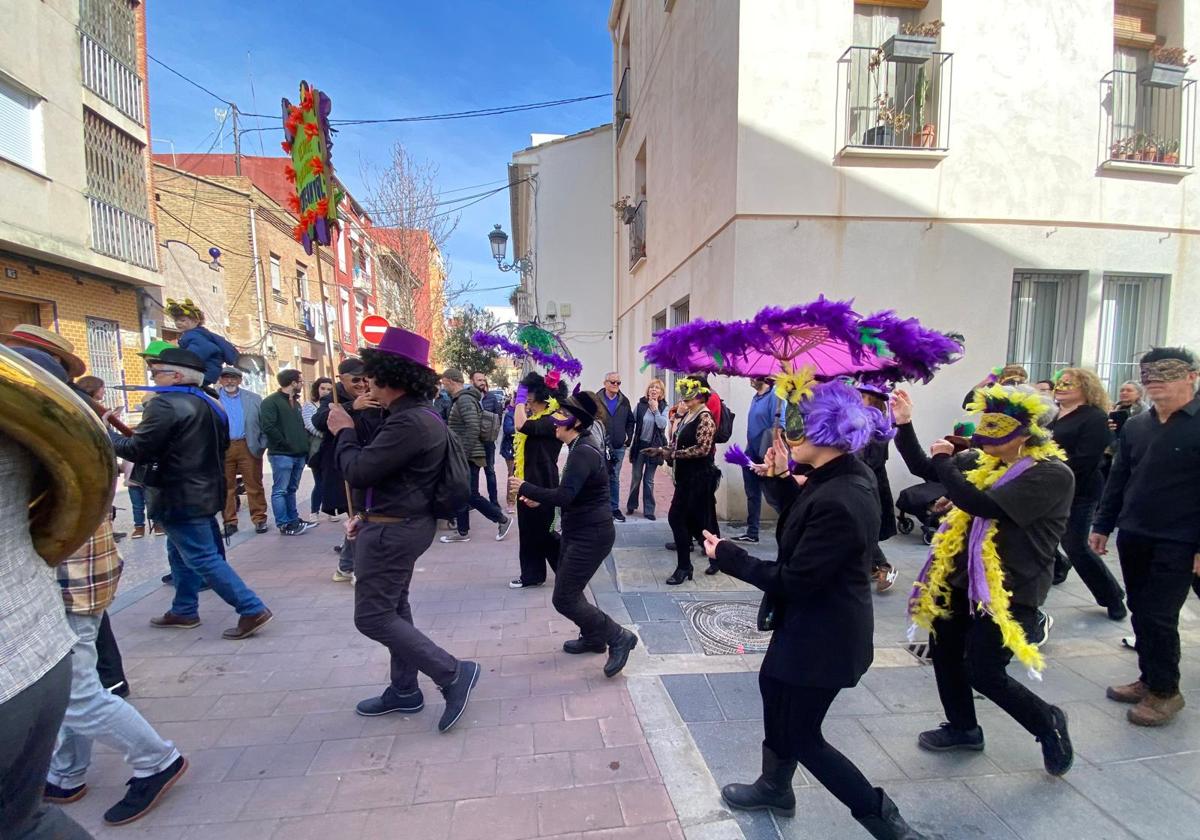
{"points": [[187, 438]]}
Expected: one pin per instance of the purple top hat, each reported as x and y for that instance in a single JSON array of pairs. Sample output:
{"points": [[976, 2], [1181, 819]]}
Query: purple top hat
{"points": [[405, 344]]}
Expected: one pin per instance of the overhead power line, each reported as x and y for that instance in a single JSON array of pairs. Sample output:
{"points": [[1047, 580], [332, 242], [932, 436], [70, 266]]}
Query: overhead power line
{"points": [[190, 81]]}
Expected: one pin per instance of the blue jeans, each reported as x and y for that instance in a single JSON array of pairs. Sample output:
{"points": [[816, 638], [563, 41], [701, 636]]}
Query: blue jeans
{"points": [[487, 508], [489, 472], [95, 713], [286, 471], [753, 500], [617, 457], [196, 553], [137, 501], [643, 479]]}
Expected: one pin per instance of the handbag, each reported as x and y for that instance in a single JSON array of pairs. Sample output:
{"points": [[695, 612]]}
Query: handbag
{"points": [[770, 614]]}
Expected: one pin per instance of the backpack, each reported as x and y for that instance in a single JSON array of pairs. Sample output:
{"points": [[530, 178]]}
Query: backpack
{"points": [[489, 425], [452, 492], [725, 427]]}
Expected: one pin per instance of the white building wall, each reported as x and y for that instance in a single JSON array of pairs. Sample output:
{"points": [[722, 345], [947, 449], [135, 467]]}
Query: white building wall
{"points": [[570, 234], [938, 239]]}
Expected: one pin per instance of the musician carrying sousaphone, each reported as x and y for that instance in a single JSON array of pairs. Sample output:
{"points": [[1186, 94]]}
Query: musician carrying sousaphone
{"points": [[56, 483]]}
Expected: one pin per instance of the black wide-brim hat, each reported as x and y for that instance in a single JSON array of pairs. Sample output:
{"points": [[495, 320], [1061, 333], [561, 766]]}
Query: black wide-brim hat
{"points": [[180, 358], [581, 406]]}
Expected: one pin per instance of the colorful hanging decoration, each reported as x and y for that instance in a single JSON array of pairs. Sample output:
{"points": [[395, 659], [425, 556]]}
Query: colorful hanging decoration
{"points": [[307, 139], [537, 350]]}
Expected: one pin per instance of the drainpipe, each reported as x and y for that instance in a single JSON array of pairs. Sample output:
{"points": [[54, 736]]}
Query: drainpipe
{"points": [[258, 283]]}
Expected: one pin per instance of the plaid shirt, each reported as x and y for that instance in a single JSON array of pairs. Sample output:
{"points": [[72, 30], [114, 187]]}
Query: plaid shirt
{"points": [[34, 634], [89, 577]]}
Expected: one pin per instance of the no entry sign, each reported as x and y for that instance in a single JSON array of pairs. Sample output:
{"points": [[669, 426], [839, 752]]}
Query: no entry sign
{"points": [[372, 328]]}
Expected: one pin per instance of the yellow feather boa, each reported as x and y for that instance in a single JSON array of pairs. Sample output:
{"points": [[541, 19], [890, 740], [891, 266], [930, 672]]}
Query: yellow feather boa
{"points": [[933, 596], [519, 440]]}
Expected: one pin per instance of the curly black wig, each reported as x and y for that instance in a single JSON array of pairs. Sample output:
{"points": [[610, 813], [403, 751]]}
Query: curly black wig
{"points": [[540, 392], [392, 371]]}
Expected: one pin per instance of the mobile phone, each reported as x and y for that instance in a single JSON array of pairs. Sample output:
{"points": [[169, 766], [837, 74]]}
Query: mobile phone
{"points": [[1119, 416]]}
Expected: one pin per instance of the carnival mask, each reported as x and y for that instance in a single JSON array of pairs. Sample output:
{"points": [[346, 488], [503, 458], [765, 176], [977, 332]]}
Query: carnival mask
{"points": [[562, 419], [793, 424], [995, 429], [690, 388], [1165, 370]]}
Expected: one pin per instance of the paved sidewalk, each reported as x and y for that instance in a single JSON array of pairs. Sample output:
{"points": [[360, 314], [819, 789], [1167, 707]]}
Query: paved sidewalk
{"points": [[548, 747]]}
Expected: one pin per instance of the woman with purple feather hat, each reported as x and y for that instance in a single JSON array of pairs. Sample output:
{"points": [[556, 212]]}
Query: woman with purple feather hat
{"points": [[817, 601]]}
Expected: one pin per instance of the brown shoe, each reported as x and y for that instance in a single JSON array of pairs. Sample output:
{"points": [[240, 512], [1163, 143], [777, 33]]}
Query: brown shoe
{"points": [[1135, 692], [247, 626], [169, 619], [1155, 709], [158, 530], [139, 531]]}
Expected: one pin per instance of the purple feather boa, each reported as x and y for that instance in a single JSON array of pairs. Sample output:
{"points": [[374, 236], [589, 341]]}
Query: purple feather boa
{"points": [[737, 456], [570, 368]]}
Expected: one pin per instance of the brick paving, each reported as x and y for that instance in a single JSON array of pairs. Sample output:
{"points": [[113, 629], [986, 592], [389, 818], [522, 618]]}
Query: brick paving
{"points": [[547, 748]]}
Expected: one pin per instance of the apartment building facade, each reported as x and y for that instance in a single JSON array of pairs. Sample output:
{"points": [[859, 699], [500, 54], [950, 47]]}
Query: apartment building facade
{"points": [[1024, 179], [78, 246]]}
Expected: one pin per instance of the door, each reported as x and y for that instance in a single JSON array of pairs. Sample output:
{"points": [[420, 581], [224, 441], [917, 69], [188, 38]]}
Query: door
{"points": [[13, 312]]}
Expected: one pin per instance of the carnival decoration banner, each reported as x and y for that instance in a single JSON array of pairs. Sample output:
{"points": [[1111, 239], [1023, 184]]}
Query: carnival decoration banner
{"points": [[307, 139]]}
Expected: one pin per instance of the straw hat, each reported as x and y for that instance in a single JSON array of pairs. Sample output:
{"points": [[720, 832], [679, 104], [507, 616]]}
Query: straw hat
{"points": [[29, 335]]}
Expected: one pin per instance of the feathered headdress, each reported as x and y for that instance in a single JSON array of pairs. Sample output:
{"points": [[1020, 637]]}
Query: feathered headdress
{"points": [[1008, 412], [835, 416], [538, 348], [184, 309], [690, 387]]}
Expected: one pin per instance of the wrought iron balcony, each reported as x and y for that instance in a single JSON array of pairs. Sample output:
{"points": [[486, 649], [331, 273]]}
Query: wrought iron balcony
{"points": [[122, 235], [1144, 121], [111, 79], [621, 111], [895, 103], [637, 234]]}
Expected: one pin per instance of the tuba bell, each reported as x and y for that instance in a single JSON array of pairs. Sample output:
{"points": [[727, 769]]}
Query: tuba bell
{"points": [[73, 491]]}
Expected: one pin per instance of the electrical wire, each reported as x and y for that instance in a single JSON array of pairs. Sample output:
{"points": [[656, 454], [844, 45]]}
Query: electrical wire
{"points": [[203, 237], [191, 82]]}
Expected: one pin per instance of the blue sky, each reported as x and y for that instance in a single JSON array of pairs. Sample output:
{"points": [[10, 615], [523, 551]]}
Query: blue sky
{"points": [[383, 59]]}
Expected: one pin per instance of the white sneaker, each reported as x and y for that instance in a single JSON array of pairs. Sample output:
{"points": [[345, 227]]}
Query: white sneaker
{"points": [[302, 525], [503, 528], [341, 577], [456, 538]]}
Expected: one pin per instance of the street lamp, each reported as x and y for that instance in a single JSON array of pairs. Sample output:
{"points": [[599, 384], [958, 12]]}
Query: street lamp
{"points": [[499, 240]]}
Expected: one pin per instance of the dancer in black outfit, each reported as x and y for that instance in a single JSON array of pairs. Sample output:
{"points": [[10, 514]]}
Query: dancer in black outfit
{"points": [[536, 450], [587, 532], [820, 591], [1081, 429], [693, 506]]}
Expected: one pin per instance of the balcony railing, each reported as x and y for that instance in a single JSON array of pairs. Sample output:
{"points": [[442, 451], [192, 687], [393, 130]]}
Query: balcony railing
{"points": [[637, 234], [362, 280], [111, 79], [621, 111], [1142, 122], [893, 104], [122, 235]]}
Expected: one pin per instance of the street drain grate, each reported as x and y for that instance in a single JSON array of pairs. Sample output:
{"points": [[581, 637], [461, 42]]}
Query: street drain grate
{"points": [[726, 628]]}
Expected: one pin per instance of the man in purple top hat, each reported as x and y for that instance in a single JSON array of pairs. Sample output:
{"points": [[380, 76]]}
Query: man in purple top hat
{"points": [[399, 470]]}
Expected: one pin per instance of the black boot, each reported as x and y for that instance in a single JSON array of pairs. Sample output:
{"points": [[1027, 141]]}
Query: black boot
{"points": [[888, 824], [772, 791]]}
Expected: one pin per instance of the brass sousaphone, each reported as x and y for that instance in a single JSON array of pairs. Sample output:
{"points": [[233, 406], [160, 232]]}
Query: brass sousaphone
{"points": [[73, 490]]}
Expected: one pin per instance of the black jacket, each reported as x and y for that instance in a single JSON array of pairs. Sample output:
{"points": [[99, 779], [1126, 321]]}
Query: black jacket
{"points": [[1084, 436], [618, 426], [875, 456], [333, 484], [542, 449], [398, 469], [187, 437], [582, 492], [822, 578]]}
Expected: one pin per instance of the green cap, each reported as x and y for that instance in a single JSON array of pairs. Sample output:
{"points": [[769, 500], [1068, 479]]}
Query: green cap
{"points": [[156, 347]]}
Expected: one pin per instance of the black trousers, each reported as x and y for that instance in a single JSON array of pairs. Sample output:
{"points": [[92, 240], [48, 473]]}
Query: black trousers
{"points": [[29, 725], [383, 562], [1158, 575], [583, 550], [538, 543], [108, 656], [792, 718], [693, 511], [1092, 571], [968, 653]]}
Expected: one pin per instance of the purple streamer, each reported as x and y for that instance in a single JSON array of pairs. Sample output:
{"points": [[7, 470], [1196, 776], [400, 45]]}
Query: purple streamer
{"points": [[571, 368]]}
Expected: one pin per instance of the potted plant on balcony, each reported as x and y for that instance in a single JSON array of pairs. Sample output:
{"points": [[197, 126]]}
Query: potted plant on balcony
{"points": [[1167, 68], [914, 44], [927, 137], [1147, 149], [1169, 152], [891, 124], [626, 210]]}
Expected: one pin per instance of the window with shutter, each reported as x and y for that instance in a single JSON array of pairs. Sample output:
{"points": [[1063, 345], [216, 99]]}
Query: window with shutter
{"points": [[20, 127]]}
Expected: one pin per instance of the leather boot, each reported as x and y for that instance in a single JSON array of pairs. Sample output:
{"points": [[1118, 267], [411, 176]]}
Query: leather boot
{"points": [[772, 791], [888, 824]]}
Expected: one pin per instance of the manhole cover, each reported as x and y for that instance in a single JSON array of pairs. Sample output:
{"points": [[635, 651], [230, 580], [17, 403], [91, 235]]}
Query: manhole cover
{"points": [[726, 627]]}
